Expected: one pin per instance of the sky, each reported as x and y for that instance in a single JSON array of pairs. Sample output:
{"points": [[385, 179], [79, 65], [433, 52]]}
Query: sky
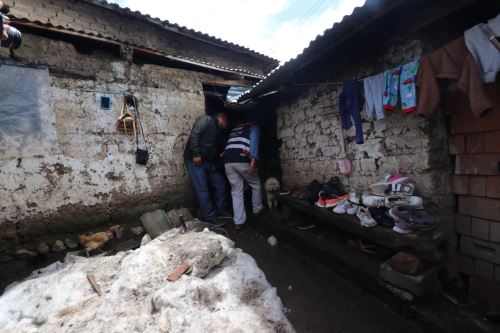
{"points": [[278, 28]]}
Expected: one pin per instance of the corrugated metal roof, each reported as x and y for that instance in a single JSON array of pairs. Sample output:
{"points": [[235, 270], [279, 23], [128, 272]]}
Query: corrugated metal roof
{"points": [[183, 30], [38, 24], [337, 33]]}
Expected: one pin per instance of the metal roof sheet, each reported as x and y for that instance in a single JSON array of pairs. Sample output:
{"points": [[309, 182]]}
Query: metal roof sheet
{"points": [[178, 58], [183, 30]]}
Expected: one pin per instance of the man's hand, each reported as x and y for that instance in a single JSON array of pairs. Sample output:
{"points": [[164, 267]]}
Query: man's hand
{"points": [[253, 166], [197, 160]]}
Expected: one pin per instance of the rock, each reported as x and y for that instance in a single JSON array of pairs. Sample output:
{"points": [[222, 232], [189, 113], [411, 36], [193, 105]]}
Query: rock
{"points": [[146, 239], [25, 254], [272, 241], [406, 263], [43, 248], [58, 246], [402, 294], [155, 223], [137, 230], [71, 244], [417, 285]]}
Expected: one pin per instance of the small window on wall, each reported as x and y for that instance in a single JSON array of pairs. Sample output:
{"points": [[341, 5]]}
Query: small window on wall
{"points": [[104, 103]]}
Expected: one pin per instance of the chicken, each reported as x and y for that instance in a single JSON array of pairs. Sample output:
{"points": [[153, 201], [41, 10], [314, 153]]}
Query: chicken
{"points": [[95, 241]]}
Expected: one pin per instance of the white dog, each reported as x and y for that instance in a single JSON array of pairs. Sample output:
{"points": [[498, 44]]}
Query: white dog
{"points": [[272, 187]]}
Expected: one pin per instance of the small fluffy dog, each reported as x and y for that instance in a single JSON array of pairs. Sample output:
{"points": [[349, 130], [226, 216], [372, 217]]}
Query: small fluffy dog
{"points": [[272, 187]]}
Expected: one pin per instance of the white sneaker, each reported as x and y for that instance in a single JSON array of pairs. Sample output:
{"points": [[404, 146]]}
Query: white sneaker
{"points": [[373, 200], [365, 218], [352, 209], [403, 200], [354, 198], [341, 208]]}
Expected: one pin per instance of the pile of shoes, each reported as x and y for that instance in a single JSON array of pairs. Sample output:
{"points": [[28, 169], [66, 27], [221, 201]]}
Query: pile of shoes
{"points": [[390, 203]]}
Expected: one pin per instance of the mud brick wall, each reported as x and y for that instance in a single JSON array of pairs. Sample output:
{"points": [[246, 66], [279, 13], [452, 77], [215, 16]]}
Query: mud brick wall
{"points": [[309, 127], [475, 143], [82, 16], [88, 175]]}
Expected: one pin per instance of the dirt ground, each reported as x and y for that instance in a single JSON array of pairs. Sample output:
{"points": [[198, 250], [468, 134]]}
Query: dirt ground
{"points": [[319, 299]]}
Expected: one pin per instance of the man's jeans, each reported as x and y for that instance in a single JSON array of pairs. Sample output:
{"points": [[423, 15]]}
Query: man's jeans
{"points": [[237, 173], [202, 177]]}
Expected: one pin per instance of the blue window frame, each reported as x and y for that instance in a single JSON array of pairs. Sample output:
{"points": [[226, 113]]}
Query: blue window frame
{"points": [[104, 103]]}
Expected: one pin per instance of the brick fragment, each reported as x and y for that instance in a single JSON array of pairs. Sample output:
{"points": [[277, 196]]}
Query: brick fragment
{"points": [[406, 263]]}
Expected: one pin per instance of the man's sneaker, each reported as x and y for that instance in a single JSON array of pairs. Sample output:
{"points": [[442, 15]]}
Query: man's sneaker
{"points": [[410, 219], [321, 202], [352, 209], [365, 218], [345, 207], [403, 200], [354, 198], [380, 214], [383, 187], [341, 208], [330, 203], [406, 189], [372, 200]]}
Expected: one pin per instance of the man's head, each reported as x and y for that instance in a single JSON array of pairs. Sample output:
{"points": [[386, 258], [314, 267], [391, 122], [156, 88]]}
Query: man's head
{"points": [[222, 120]]}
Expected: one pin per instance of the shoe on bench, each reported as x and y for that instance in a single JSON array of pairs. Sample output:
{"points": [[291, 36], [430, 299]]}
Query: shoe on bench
{"points": [[384, 186], [403, 200], [373, 200]]}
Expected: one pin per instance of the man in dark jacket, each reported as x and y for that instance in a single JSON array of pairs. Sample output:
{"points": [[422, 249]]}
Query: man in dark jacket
{"points": [[200, 156]]}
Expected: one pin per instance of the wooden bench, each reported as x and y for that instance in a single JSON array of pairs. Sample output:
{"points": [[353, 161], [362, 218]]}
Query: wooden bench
{"points": [[429, 245]]}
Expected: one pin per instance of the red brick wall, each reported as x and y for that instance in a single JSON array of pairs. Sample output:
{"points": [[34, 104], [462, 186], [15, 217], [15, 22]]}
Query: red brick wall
{"points": [[475, 142]]}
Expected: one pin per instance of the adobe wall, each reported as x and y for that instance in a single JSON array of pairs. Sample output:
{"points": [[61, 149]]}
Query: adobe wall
{"points": [[82, 16], [77, 171], [308, 125]]}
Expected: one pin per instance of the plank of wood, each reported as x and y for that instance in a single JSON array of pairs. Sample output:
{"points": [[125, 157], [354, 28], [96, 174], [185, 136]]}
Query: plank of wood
{"points": [[427, 244], [94, 284], [179, 271]]}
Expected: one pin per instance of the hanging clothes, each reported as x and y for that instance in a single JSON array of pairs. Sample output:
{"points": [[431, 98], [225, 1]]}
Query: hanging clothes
{"points": [[350, 107], [482, 49], [391, 88], [452, 61], [374, 90], [408, 87]]}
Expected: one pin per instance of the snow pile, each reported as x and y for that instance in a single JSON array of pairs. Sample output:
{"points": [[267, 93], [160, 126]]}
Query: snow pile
{"points": [[224, 292]]}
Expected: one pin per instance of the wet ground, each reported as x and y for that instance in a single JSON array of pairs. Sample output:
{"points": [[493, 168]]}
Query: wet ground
{"points": [[319, 300]]}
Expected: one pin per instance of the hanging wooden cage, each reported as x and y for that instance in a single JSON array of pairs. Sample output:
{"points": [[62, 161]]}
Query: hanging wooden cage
{"points": [[126, 123]]}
